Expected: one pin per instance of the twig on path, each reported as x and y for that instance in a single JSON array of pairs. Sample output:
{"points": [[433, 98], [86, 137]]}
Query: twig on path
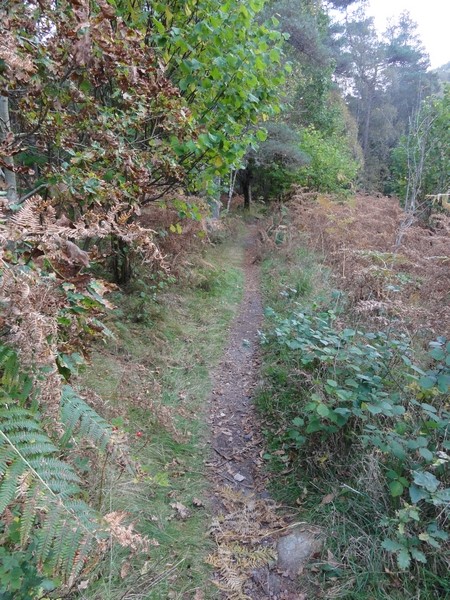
{"points": [[221, 454]]}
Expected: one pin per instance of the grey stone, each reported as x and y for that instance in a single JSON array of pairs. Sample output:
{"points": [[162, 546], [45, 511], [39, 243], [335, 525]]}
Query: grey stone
{"points": [[295, 549], [270, 582]]}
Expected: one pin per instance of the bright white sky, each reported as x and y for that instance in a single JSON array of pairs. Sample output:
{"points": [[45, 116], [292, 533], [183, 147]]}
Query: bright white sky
{"points": [[432, 18]]}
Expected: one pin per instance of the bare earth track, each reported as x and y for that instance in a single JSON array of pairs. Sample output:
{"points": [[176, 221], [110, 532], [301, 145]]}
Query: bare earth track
{"points": [[246, 523], [235, 442]]}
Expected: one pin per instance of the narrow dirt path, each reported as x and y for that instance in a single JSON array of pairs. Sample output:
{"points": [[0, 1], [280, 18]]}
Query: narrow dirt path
{"points": [[246, 523], [235, 442]]}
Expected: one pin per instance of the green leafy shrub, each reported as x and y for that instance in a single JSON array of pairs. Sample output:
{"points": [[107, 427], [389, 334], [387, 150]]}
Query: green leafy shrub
{"points": [[19, 577], [273, 181], [361, 391], [331, 167], [277, 161]]}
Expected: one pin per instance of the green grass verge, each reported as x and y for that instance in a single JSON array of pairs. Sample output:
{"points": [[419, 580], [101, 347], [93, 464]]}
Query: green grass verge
{"points": [[165, 361]]}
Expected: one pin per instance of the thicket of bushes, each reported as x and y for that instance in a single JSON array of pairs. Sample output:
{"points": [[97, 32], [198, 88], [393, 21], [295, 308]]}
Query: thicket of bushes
{"points": [[105, 108]]}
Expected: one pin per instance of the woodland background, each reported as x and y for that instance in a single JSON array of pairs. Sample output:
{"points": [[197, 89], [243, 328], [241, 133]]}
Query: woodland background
{"points": [[126, 124]]}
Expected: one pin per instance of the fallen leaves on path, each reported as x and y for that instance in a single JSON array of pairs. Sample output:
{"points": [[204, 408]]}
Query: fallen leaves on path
{"points": [[244, 535], [246, 522], [182, 511]]}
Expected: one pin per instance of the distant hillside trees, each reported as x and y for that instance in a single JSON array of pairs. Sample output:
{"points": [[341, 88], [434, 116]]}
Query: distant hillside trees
{"points": [[313, 141]]}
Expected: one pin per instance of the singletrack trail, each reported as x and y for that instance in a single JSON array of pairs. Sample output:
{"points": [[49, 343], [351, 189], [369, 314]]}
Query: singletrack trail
{"points": [[246, 523]]}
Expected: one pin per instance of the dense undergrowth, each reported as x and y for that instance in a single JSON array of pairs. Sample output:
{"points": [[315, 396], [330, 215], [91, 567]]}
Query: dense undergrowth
{"points": [[356, 422]]}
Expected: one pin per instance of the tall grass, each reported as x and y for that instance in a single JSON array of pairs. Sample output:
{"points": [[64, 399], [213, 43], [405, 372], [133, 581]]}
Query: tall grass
{"points": [[155, 379]]}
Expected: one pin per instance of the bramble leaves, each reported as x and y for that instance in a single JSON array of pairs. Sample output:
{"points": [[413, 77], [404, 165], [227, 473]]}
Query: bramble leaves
{"points": [[364, 390], [426, 480]]}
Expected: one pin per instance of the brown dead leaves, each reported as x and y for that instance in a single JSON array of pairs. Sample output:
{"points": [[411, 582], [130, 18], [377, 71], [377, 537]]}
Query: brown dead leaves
{"points": [[358, 238], [328, 499], [244, 534], [181, 510], [14, 56], [125, 534]]}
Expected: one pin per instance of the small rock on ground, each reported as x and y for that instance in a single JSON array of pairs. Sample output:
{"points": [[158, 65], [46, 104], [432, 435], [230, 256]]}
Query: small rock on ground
{"points": [[295, 550]]}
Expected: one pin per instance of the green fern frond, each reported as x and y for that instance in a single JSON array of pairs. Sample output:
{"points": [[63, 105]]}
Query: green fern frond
{"points": [[77, 415], [51, 493], [31, 437], [14, 418], [47, 535], [5, 351], [82, 555], [34, 481], [29, 511], [8, 364], [40, 488], [10, 483], [67, 553], [6, 458], [32, 449]]}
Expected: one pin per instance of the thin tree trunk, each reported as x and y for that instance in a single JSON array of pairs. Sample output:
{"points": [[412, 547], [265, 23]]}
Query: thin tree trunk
{"points": [[416, 153], [368, 119], [247, 190], [233, 175], [216, 203], [122, 267], [247, 183], [9, 174]]}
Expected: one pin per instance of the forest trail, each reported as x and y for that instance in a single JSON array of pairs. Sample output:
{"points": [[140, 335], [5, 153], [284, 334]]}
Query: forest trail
{"points": [[236, 442], [246, 522]]}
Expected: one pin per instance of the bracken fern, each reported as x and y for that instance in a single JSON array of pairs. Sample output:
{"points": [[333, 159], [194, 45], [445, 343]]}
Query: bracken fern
{"points": [[78, 416], [34, 483]]}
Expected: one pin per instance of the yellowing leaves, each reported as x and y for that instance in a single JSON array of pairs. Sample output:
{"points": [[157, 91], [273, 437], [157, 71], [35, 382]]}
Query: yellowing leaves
{"points": [[169, 15]]}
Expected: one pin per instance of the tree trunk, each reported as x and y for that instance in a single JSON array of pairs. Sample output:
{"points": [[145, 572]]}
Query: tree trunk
{"points": [[215, 203], [233, 175], [246, 177], [122, 268], [9, 174], [365, 144], [247, 191]]}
